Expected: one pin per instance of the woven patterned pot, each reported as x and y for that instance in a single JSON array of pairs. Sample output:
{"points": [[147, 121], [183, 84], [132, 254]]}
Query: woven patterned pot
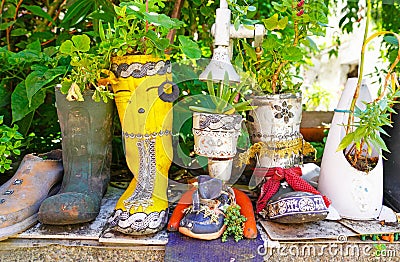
{"points": [[215, 137]]}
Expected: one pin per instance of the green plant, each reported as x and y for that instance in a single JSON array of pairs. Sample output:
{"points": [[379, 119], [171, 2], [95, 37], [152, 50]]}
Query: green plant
{"points": [[10, 141], [234, 222], [86, 73], [26, 80], [30, 34], [224, 99], [140, 29], [287, 43], [364, 126]]}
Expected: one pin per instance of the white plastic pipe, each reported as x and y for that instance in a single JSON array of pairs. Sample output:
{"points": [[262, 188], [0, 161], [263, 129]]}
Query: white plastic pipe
{"points": [[223, 4], [222, 26]]}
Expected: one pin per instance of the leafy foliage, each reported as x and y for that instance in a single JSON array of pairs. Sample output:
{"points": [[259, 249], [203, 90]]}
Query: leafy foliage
{"points": [[365, 135], [30, 33], [140, 29], [383, 13], [224, 98], [315, 98], [234, 222], [289, 26], [86, 71], [32, 71], [10, 141]]}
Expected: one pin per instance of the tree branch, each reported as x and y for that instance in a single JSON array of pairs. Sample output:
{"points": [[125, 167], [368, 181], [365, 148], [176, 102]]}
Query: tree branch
{"points": [[8, 31], [175, 14], [2, 6]]}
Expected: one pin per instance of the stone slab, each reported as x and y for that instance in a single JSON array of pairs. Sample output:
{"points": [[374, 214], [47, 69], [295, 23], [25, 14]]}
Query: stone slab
{"points": [[111, 237], [370, 227], [316, 230]]}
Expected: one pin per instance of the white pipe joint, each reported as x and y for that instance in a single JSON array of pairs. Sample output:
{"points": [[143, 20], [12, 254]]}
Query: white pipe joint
{"points": [[222, 27], [257, 33]]}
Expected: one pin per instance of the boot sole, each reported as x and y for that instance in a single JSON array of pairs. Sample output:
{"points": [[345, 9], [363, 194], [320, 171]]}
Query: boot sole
{"points": [[212, 236], [17, 228]]}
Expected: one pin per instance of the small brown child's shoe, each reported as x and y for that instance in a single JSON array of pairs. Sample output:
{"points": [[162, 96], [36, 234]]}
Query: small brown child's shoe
{"points": [[21, 196]]}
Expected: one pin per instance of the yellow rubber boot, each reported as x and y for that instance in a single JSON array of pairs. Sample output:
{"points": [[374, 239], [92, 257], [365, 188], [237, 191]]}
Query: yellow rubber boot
{"points": [[144, 96]]}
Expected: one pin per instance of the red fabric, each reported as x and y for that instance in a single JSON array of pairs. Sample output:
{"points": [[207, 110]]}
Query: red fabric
{"points": [[292, 177]]}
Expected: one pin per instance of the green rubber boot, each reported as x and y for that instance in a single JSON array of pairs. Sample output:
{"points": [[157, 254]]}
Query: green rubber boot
{"points": [[86, 143]]}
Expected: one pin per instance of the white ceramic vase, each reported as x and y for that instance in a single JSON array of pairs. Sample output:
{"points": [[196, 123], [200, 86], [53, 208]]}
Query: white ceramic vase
{"points": [[355, 194]]}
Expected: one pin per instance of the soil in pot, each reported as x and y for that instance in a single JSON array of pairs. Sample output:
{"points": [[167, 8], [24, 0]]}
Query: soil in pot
{"points": [[362, 163]]}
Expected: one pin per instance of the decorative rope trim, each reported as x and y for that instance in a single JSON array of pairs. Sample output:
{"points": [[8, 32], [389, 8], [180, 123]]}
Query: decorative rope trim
{"points": [[139, 70], [147, 136], [214, 153], [277, 148], [201, 132]]}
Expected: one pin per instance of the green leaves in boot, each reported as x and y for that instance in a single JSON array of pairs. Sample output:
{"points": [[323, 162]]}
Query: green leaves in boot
{"points": [[234, 222], [87, 71], [142, 30]]}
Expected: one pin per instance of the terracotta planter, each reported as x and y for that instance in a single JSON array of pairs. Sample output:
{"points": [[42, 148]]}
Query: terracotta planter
{"points": [[276, 123], [355, 194], [313, 126], [215, 137]]}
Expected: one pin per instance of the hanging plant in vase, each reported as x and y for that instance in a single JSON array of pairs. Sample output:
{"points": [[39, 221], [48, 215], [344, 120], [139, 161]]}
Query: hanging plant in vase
{"points": [[85, 114], [351, 168], [274, 125], [137, 46]]}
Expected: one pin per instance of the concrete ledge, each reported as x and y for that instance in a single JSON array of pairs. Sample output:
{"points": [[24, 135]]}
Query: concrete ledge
{"points": [[69, 250], [83, 243], [12, 250]]}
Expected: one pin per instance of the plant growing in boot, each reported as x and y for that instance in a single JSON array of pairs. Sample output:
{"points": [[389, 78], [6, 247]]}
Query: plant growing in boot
{"points": [[234, 222], [223, 99], [85, 120], [274, 125], [137, 45], [288, 41], [87, 73], [140, 30]]}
